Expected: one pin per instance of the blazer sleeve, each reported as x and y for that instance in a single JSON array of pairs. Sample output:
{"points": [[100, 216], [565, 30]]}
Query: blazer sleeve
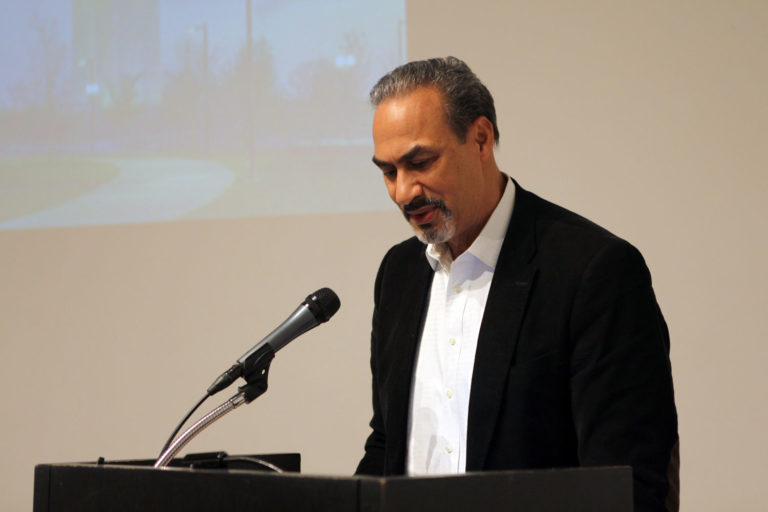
{"points": [[621, 381], [373, 459]]}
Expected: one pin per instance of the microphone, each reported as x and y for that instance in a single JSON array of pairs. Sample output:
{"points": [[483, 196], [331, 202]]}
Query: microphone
{"points": [[316, 309]]}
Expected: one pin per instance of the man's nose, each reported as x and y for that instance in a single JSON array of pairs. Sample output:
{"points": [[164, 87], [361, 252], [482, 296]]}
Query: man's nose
{"points": [[407, 188]]}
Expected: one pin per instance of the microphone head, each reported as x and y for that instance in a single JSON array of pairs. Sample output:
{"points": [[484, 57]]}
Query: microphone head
{"points": [[323, 304]]}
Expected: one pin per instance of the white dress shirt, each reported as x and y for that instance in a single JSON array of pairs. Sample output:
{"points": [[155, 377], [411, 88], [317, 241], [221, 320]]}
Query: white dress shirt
{"points": [[437, 422]]}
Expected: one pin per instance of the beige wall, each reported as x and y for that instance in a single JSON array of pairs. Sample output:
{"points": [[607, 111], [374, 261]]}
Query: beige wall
{"points": [[649, 117]]}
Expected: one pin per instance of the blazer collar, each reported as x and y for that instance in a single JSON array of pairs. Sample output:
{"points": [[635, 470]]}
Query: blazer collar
{"points": [[406, 334], [500, 327]]}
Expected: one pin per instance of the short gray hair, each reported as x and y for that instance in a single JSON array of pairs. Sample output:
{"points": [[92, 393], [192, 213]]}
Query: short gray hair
{"points": [[466, 98]]}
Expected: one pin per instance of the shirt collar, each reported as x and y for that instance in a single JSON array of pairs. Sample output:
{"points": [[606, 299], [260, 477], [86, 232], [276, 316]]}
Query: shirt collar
{"points": [[487, 245]]}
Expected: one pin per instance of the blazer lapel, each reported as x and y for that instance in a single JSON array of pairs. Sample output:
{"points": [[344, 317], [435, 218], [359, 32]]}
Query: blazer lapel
{"points": [[497, 340], [406, 333]]}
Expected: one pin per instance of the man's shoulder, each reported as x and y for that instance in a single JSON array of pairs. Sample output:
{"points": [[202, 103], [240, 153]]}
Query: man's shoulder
{"points": [[559, 239], [404, 267], [548, 214], [407, 253], [408, 247], [557, 226]]}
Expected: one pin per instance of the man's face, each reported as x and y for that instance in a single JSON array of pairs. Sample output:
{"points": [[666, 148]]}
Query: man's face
{"points": [[430, 174]]}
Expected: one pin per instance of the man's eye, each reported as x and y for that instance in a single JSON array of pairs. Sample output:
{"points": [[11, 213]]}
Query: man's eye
{"points": [[421, 164], [389, 173]]}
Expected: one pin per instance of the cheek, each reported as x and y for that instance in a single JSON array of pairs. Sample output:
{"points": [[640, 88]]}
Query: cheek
{"points": [[444, 185]]}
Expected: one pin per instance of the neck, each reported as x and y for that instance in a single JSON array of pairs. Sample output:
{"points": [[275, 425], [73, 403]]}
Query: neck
{"points": [[461, 242]]}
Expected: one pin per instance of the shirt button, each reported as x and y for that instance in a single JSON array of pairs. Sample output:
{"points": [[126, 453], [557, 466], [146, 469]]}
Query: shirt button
{"points": [[449, 448], [452, 341], [457, 288], [449, 393]]}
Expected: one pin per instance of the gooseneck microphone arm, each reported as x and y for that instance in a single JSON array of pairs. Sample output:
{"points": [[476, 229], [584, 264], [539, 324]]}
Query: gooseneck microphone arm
{"points": [[200, 425], [253, 367], [254, 388], [256, 385]]}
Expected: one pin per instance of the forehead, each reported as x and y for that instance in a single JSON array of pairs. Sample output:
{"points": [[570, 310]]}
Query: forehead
{"points": [[411, 117]]}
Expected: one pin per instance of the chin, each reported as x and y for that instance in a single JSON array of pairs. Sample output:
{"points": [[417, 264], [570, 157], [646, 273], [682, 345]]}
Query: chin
{"points": [[436, 234]]}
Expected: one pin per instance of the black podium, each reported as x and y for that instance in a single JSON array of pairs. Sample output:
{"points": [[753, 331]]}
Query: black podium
{"points": [[136, 486]]}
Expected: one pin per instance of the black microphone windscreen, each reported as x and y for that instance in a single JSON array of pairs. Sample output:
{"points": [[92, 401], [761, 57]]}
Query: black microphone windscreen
{"points": [[323, 304]]}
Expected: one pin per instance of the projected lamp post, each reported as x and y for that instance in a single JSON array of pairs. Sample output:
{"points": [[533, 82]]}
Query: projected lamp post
{"points": [[204, 28], [250, 135], [91, 92]]}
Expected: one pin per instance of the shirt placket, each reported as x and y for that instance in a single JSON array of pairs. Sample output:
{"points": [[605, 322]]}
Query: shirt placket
{"points": [[456, 298]]}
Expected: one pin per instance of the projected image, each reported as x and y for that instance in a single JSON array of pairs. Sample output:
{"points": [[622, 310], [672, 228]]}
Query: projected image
{"points": [[121, 111]]}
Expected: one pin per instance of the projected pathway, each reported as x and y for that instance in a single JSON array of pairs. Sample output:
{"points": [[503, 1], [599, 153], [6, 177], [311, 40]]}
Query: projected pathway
{"points": [[145, 190]]}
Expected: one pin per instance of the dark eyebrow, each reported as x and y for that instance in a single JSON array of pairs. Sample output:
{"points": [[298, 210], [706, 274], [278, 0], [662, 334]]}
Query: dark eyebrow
{"points": [[415, 150]]}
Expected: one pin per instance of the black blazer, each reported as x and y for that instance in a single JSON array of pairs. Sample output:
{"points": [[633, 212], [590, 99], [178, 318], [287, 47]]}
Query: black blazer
{"points": [[572, 364]]}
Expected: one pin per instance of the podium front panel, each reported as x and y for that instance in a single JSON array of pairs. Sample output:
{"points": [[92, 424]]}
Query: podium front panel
{"points": [[119, 488], [606, 489], [114, 488]]}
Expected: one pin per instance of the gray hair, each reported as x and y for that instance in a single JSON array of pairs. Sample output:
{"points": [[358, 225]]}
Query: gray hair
{"points": [[466, 98]]}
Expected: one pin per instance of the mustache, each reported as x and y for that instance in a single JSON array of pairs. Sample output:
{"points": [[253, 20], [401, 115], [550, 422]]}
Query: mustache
{"points": [[421, 202]]}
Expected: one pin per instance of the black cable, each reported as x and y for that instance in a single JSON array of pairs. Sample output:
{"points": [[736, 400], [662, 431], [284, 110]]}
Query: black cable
{"points": [[178, 427]]}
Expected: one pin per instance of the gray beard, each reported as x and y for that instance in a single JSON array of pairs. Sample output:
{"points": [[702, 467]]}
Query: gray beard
{"points": [[438, 235]]}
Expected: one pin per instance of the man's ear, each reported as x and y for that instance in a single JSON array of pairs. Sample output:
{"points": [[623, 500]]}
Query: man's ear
{"points": [[481, 133]]}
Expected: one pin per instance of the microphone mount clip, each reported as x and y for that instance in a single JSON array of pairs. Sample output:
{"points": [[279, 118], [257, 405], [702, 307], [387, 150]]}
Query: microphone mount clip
{"points": [[256, 372]]}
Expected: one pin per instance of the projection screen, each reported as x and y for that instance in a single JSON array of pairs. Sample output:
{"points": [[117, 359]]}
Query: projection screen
{"points": [[118, 112]]}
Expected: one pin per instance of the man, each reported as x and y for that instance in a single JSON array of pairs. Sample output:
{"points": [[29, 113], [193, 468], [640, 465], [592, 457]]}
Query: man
{"points": [[523, 336]]}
